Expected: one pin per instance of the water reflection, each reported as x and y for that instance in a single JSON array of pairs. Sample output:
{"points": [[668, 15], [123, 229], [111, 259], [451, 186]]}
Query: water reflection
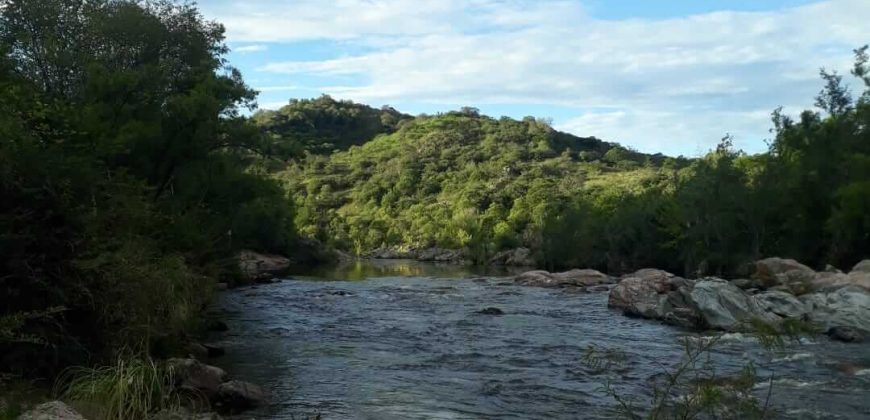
{"points": [[366, 269]]}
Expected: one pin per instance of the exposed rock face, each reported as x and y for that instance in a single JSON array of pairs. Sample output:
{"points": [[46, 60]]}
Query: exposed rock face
{"points": [[572, 278], [52, 410], [724, 306], [198, 377], [848, 306], [239, 395], [256, 267], [520, 257]]}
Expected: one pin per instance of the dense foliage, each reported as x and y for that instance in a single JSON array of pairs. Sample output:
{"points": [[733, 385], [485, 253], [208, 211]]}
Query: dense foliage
{"points": [[462, 180], [128, 177], [453, 180], [322, 125]]}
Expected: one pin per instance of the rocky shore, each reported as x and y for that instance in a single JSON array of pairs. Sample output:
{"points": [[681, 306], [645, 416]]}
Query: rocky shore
{"points": [[836, 303]]}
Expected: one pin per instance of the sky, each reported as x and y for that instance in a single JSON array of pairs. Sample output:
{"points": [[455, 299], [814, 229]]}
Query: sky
{"points": [[669, 76]]}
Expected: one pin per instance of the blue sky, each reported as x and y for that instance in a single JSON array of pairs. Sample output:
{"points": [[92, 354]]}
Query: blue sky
{"points": [[665, 76]]}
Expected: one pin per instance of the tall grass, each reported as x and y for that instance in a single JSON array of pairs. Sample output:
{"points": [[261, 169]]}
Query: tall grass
{"points": [[132, 388]]}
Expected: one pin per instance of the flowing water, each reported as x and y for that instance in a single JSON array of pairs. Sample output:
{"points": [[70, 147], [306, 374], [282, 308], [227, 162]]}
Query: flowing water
{"points": [[403, 340]]}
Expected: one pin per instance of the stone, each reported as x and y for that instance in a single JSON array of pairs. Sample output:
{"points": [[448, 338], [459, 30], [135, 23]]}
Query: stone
{"points": [[782, 304], [536, 278], [575, 277], [192, 375], [776, 271], [520, 257], [257, 267], [237, 395], [636, 296], [848, 306], [52, 410], [222, 286], [723, 306], [491, 311], [845, 334], [745, 284]]}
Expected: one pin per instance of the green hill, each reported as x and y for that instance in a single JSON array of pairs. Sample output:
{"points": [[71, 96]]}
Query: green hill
{"points": [[456, 180], [322, 125]]}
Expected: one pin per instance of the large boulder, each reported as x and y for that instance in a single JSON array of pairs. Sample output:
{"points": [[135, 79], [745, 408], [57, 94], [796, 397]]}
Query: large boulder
{"points": [[257, 267], [724, 306], [235, 396], [520, 257], [782, 304], [654, 294], [637, 297], [774, 271], [193, 376], [571, 278], [847, 306], [52, 410]]}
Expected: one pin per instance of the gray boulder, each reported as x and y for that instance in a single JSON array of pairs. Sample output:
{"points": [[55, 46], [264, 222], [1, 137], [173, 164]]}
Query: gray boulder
{"points": [[52, 410], [848, 306], [655, 294], [723, 306], [239, 395], [781, 304]]}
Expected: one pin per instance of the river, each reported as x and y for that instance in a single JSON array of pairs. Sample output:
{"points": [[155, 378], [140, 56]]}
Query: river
{"points": [[404, 340]]}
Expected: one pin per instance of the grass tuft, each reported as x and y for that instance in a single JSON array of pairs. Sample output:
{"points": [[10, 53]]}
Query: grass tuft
{"points": [[130, 389]]}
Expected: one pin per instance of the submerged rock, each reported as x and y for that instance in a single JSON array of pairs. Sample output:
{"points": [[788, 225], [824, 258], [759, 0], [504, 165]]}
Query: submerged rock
{"points": [[491, 311], [52, 410]]}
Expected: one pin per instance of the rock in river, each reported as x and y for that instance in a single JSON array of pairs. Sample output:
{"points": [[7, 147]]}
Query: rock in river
{"points": [[575, 277]]}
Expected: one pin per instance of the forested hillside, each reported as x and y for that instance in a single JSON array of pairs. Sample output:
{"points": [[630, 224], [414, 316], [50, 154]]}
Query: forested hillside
{"points": [[323, 124], [465, 181]]}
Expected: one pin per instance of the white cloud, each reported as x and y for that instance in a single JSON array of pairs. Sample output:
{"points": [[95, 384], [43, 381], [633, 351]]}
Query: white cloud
{"points": [[250, 48], [662, 83]]}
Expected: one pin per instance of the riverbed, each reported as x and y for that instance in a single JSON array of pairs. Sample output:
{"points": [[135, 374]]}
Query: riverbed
{"points": [[405, 340]]}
